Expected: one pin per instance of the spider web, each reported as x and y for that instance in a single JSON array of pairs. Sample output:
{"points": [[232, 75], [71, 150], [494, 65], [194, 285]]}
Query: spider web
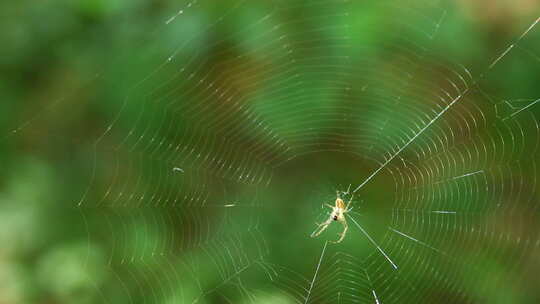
{"points": [[232, 128]]}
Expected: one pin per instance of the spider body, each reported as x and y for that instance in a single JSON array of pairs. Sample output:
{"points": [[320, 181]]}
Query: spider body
{"points": [[338, 214]]}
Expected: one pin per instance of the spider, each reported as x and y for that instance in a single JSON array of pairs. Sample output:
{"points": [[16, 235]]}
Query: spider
{"points": [[337, 214]]}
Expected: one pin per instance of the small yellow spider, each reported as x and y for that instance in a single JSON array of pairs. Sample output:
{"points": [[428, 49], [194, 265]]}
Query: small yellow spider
{"points": [[337, 214]]}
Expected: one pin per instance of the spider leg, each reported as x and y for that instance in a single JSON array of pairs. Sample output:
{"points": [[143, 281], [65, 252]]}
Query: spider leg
{"points": [[319, 230], [347, 207], [345, 193], [342, 234]]}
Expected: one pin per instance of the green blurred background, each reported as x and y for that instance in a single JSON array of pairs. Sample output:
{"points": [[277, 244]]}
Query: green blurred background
{"points": [[181, 151]]}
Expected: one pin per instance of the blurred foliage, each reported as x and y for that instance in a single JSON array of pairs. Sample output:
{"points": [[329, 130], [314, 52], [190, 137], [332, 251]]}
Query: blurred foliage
{"points": [[68, 68]]}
